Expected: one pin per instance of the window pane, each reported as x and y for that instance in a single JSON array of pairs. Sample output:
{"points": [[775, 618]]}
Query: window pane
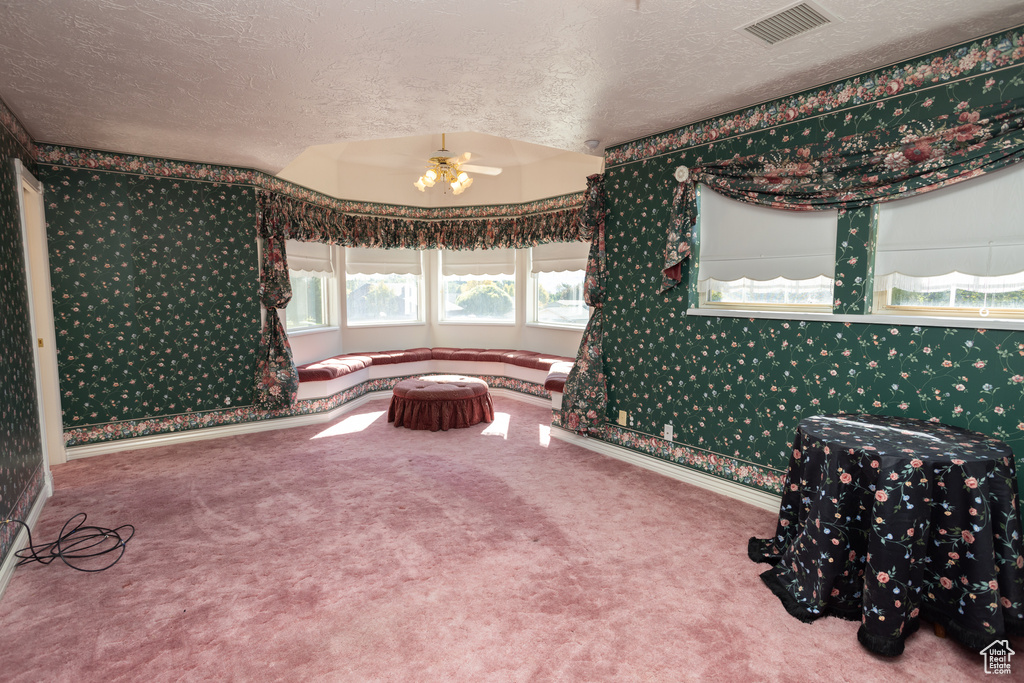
{"points": [[910, 297], [479, 298], [816, 291], [966, 298], [307, 307], [954, 290], [382, 298], [559, 298]]}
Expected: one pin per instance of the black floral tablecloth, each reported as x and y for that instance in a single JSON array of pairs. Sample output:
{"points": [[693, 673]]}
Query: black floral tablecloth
{"points": [[891, 520]]}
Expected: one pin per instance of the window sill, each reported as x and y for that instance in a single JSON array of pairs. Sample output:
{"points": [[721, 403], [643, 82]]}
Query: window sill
{"points": [[301, 332], [873, 318], [799, 309], [479, 323], [555, 326], [387, 323]]}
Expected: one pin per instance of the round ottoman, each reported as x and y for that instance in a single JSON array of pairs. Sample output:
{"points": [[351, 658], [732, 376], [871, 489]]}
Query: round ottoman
{"points": [[440, 402]]}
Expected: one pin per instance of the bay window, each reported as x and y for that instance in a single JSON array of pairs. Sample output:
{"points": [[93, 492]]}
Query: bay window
{"points": [[383, 286]]}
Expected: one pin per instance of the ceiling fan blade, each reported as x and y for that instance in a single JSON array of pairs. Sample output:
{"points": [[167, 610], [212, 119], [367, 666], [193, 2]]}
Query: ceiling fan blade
{"points": [[483, 170], [463, 158]]}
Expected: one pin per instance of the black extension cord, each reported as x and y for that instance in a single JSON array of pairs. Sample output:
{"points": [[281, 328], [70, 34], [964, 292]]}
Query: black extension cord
{"points": [[77, 544]]}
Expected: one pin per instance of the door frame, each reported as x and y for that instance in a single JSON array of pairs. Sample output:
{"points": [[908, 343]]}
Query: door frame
{"points": [[31, 209]]}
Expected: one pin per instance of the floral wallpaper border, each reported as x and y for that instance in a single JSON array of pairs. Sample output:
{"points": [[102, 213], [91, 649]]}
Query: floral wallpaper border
{"points": [[964, 60], [77, 157], [722, 466], [9, 121], [127, 429]]}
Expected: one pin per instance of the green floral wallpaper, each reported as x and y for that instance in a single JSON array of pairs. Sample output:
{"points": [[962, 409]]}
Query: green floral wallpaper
{"points": [[21, 454], [155, 288], [855, 260], [155, 294], [734, 389]]}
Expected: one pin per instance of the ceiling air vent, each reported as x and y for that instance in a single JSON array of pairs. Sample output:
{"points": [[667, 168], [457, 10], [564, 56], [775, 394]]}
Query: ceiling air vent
{"points": [[788, 23]]}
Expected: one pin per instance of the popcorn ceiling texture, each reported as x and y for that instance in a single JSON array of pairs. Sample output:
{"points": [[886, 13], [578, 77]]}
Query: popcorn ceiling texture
{"points": [[253, 84]]}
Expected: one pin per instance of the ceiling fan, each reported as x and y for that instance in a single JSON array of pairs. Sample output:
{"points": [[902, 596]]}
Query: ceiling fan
{"points": [[451, 170]]}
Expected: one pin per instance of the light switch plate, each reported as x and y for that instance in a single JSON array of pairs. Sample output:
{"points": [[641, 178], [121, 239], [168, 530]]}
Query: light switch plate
{"points": [[622, 417]]}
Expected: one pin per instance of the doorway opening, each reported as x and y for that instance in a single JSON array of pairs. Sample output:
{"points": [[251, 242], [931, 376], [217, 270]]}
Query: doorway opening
{"points": [[37, 263]]}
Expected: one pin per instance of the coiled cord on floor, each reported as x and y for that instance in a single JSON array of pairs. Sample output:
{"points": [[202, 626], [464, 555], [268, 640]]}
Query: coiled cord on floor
{"points": [[75, 545]]}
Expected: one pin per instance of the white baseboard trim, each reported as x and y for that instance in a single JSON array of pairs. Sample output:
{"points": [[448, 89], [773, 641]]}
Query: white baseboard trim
{"points": [[524, 398], [21, 540], [761, 499], [103, 447]]}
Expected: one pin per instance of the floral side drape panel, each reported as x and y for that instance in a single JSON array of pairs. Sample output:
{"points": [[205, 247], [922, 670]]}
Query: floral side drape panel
{"points": [[858, 170], [277, 381], [585, 399]]}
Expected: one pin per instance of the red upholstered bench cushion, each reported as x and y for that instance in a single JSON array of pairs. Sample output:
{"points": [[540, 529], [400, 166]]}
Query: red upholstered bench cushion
{"points": [[518, 357], [538, 361], [557, 375], [332, 368], [467, 354], [399, 356], [493, 355], [339, 366]]}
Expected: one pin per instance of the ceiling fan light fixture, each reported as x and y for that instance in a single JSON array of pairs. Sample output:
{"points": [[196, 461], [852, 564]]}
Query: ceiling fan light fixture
{"points": [[445, 169]]}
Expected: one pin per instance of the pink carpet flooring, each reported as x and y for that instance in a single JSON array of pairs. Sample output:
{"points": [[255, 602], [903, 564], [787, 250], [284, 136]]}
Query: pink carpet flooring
{"points": [[359, 552]]}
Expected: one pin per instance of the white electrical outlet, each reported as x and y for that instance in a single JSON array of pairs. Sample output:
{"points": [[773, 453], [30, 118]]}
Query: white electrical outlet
{"points": [[668, 432]]}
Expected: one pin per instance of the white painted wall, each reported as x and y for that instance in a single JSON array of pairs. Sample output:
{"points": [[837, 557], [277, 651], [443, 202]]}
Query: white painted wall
{"points": [[312, 346], [384, 170], [314, 169]]}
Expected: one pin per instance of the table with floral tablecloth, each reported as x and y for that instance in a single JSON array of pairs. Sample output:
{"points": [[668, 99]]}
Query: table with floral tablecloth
{"points": [[892, 520]]}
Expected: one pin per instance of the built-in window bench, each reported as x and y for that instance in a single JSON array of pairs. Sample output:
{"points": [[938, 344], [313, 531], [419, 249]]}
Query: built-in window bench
{"points": [[525, 372]]}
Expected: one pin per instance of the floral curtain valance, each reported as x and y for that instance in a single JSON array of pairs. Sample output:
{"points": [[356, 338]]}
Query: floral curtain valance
{"points": [[585, 400], [281, 218], [858, 170], [301, 220]]}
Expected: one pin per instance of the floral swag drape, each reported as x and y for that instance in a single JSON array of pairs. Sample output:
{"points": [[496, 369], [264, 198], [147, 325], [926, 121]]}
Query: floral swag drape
{"points": [[282, 217], [854, 171], [585, 399]]}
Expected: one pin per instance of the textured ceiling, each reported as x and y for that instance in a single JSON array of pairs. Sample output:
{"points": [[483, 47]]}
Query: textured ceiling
{"points": [[255, 82]]}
